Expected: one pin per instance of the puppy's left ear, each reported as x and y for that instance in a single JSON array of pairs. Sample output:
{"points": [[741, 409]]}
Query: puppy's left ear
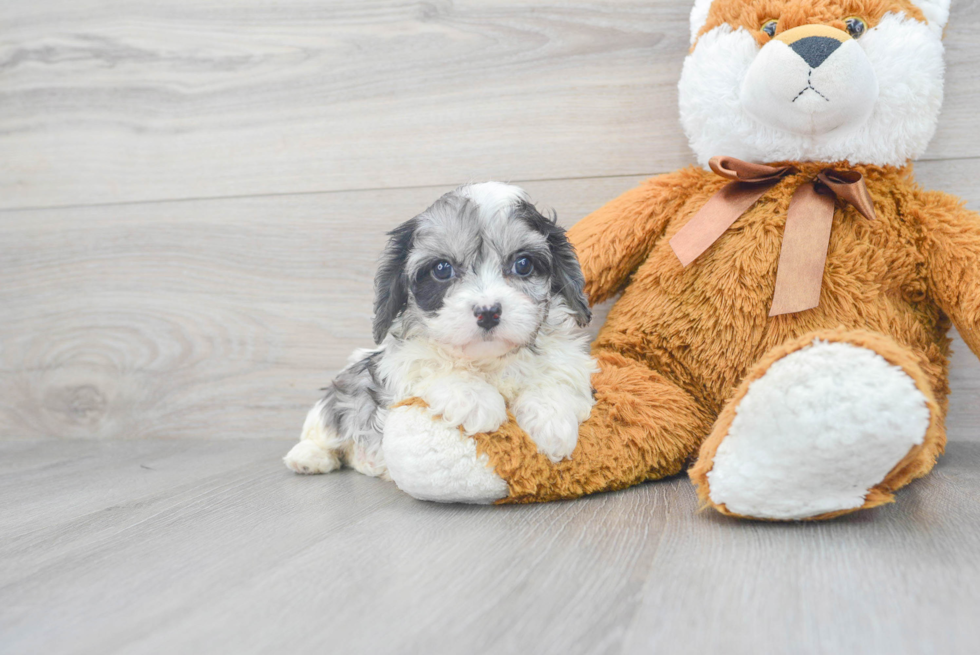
{"points": [[391, 281], [566, 275]]}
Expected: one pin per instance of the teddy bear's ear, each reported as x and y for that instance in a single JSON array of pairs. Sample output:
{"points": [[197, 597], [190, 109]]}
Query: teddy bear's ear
{"points": [[935, 11], [699, 16]]}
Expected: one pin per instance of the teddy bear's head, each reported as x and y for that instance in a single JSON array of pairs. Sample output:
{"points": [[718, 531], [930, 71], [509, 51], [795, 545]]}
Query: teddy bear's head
{"points": [[813, 80]]}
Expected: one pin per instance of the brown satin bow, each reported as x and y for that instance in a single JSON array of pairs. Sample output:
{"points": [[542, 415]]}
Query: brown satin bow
{"points": [[807, 234]]}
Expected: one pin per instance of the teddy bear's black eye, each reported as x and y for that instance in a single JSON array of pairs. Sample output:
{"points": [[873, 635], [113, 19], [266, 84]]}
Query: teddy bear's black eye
{"points": [[855, 26], [769, 27], [442, 271]]}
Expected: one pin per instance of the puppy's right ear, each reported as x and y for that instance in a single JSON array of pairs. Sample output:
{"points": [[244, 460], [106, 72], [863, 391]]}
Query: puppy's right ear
{"points": [[391, 281]]}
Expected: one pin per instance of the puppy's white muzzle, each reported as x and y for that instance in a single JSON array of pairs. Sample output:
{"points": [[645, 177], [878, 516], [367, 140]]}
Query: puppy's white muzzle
{"points": [[811, 81], [460, 322]]}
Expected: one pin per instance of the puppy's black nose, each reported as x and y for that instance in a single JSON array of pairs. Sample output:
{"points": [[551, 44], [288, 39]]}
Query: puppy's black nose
{"points": [[487, 317], [815, 49]]}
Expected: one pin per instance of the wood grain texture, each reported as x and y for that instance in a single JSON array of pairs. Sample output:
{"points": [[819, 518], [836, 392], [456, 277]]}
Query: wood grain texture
{"points": [[223, 318], [203, 319], [106, 101], [122, 101], [225, 172], [185, 546]]}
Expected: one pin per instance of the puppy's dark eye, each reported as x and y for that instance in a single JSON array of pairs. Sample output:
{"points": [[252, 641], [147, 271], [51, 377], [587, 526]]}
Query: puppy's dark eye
{"points": [[442, 271], [769, 27], [523, 267], [855, 26]]}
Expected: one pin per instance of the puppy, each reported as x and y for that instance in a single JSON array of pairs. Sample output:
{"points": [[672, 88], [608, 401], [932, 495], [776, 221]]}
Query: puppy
{"points": [[479, 305]]}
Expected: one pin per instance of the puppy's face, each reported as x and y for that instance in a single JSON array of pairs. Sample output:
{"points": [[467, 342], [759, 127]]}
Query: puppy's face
{"points": [[479, 272]]}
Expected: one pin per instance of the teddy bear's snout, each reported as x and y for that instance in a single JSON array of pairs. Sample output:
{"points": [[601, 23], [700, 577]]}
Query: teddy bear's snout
{"points": [[815, 49], [813, 43], [810, 80]]}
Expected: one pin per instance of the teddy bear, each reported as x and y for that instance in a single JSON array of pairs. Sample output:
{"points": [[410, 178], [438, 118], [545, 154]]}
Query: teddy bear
{"points": [[781, 324]]}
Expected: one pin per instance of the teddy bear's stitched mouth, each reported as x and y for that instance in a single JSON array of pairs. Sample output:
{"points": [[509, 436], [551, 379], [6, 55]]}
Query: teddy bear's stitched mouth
{"points": [[809, 87]]}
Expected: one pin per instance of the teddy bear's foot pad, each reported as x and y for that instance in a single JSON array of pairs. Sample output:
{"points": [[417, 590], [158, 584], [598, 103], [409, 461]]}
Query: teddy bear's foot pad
{"points": [[429, 459], [816, 432]]}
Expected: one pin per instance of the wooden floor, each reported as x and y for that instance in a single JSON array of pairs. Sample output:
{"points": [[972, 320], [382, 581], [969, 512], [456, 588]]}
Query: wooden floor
{"points": [[190, 546], [193, 194]]}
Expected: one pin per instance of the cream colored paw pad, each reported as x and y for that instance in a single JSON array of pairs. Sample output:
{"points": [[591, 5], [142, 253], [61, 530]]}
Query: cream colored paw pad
{"points": [[822, 427]]}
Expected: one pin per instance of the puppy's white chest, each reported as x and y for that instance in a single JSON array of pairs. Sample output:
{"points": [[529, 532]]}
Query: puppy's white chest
{"points": [[508, 387], [511, 378]]}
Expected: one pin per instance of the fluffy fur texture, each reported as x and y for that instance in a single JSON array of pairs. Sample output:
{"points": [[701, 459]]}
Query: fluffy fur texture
{"points": [[478, 306], [679, 342], [816, 461], [917, 461], [875, 100], [430, 460], [689, 356]]}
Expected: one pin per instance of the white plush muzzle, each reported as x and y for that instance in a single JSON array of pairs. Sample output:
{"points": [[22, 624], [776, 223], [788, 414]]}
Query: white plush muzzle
{"points": [[811, 85], [873, 100]]}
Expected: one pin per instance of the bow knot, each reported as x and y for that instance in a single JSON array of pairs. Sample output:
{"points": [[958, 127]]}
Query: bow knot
{"points": [[806, 237]]}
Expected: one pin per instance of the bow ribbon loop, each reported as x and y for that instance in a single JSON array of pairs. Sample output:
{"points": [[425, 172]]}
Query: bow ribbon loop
{"points": [[744, 171], [803, 253], [849, 186]]}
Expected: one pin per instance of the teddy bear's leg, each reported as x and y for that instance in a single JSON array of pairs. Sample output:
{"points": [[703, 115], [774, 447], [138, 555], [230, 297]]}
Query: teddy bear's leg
{"points": [[431, 460], [825, 425], [642, 427]]}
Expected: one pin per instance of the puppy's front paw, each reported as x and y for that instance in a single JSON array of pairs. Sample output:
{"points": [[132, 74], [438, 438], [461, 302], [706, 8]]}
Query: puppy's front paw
{"points": [[552, 425], [472, 404]]}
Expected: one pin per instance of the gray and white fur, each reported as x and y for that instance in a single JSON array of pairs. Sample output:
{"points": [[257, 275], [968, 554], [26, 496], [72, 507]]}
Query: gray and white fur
{"points": [[479, 306]]}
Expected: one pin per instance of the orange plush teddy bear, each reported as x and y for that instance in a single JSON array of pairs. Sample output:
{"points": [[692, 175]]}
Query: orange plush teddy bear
{"points": [[784, 315]]}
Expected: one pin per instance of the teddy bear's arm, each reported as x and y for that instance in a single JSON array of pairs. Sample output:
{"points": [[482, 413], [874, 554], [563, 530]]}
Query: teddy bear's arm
{"points": [[614, 240], [952, 249]]}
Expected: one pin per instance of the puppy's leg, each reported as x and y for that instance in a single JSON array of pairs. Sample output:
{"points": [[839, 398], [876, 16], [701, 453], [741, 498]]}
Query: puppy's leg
{"points": [[551, 417], [320, 447], [364, 453], [346, 426], [557, 398], [368, 459], [466, 401]]}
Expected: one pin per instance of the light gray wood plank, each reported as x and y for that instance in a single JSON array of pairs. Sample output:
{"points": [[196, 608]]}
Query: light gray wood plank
{"points": [[185, 518], [203, 319], [121, 101], [235, 554], [223, 318], [962, 86], [894, 580], [112, 101]]}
